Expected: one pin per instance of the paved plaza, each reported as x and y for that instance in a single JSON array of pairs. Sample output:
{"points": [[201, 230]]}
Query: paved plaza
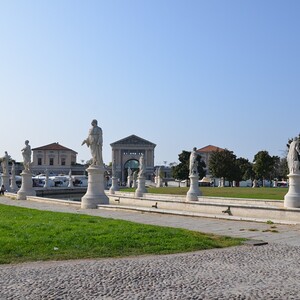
{"points": [[270, 271]]}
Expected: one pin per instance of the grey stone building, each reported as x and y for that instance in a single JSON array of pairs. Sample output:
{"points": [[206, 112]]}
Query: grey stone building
{"points": [[126, 153]]}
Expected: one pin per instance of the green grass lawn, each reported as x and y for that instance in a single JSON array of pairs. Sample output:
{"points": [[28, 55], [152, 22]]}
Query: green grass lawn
{"points": [[32, 235], [232, 192]]}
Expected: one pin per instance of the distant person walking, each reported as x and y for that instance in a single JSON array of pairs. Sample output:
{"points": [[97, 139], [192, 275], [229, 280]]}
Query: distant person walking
{"points": [[94, 141], [2, 190]]}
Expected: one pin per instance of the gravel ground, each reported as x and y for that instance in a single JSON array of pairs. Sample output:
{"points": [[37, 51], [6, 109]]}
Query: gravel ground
{"points": [[248, 272]]}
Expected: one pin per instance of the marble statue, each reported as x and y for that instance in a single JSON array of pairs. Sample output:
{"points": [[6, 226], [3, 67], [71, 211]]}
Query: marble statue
{"points": [[134, 175], [46, 178], [157, 172], [142, 165], [113, 168], [26, 152], [13, 170], [193, 166], [4, 163], [194, 191], [70, 184], [292, 157], [13, 185], [129, 171], [94, 141]]}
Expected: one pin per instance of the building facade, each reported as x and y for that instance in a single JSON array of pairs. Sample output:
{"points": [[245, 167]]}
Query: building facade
{"points": [[126, 153], [55, 158], [205, 154]]}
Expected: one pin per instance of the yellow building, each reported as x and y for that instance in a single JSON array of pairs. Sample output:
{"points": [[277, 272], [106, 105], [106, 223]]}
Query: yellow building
{"points": [[55, 158]]}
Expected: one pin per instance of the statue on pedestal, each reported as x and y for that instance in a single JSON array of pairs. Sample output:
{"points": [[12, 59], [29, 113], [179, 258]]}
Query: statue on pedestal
{"points": [[13, 184], [95, 190], [194, 191], [26, 187], [141, 189]]}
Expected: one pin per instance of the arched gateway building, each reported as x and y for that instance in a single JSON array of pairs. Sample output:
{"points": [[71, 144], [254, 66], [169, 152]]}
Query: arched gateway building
{"points": [[126, 153]]}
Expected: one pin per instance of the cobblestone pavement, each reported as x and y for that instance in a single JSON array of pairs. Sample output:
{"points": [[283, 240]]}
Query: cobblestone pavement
{"points": [[248, 272]]}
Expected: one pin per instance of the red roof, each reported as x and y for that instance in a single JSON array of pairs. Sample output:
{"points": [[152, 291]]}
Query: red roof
{"points": [[210, 148], [53, 147]]}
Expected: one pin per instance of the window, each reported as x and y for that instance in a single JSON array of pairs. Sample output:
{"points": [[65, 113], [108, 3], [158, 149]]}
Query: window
{"points": [[39, 161], [51, 161], [63, 161]]}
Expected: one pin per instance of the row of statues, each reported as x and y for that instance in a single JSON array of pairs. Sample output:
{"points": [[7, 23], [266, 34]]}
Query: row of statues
{"points": [[26, 153], [95, 141]]}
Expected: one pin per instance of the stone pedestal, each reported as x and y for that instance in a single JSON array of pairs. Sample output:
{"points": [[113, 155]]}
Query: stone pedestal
{"points": [[70, 184], [13, 185], [292, 198], [26, 187], [5, 182], [158, 182], [114, 185], [95, 190], [129, 178], [134, 183], [141, 189], [194, 191], [46, 184]]}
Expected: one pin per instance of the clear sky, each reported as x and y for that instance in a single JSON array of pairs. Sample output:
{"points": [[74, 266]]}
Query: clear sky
{"points": [[180, 74]]}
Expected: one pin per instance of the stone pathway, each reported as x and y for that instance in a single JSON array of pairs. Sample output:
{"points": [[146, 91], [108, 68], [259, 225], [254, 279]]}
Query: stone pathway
{"points": [[248, 272]]}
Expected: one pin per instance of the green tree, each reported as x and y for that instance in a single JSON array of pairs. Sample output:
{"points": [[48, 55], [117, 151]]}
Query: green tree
{"points": [[264, 165], [281, 171], [223, 164], [246, 169], [181, 171]]}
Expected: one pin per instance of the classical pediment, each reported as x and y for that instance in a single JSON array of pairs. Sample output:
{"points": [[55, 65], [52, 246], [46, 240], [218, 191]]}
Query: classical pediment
{"points": [[132, 140]]}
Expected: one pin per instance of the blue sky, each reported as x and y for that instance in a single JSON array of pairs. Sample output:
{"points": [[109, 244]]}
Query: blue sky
{"points": [[180, 74]]}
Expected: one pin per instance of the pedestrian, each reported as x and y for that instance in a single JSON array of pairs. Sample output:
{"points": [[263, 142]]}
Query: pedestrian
{"points": [[2, 190]]}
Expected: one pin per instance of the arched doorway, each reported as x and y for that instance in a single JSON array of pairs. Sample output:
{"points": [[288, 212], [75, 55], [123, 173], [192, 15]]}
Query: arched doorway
{"points": [[133, 164]]}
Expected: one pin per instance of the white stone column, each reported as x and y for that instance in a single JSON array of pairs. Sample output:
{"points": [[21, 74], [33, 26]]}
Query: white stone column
{"points": [[26, 187], [292, 198], [194, 191], [95, 191]]}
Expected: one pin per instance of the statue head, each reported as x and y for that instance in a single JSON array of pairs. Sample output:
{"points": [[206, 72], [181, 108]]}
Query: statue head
{"points": [[94, 122]]}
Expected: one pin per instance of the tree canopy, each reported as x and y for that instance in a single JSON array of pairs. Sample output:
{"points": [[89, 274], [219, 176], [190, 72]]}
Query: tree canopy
{"points": [[223, 164], [264, 165]]}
